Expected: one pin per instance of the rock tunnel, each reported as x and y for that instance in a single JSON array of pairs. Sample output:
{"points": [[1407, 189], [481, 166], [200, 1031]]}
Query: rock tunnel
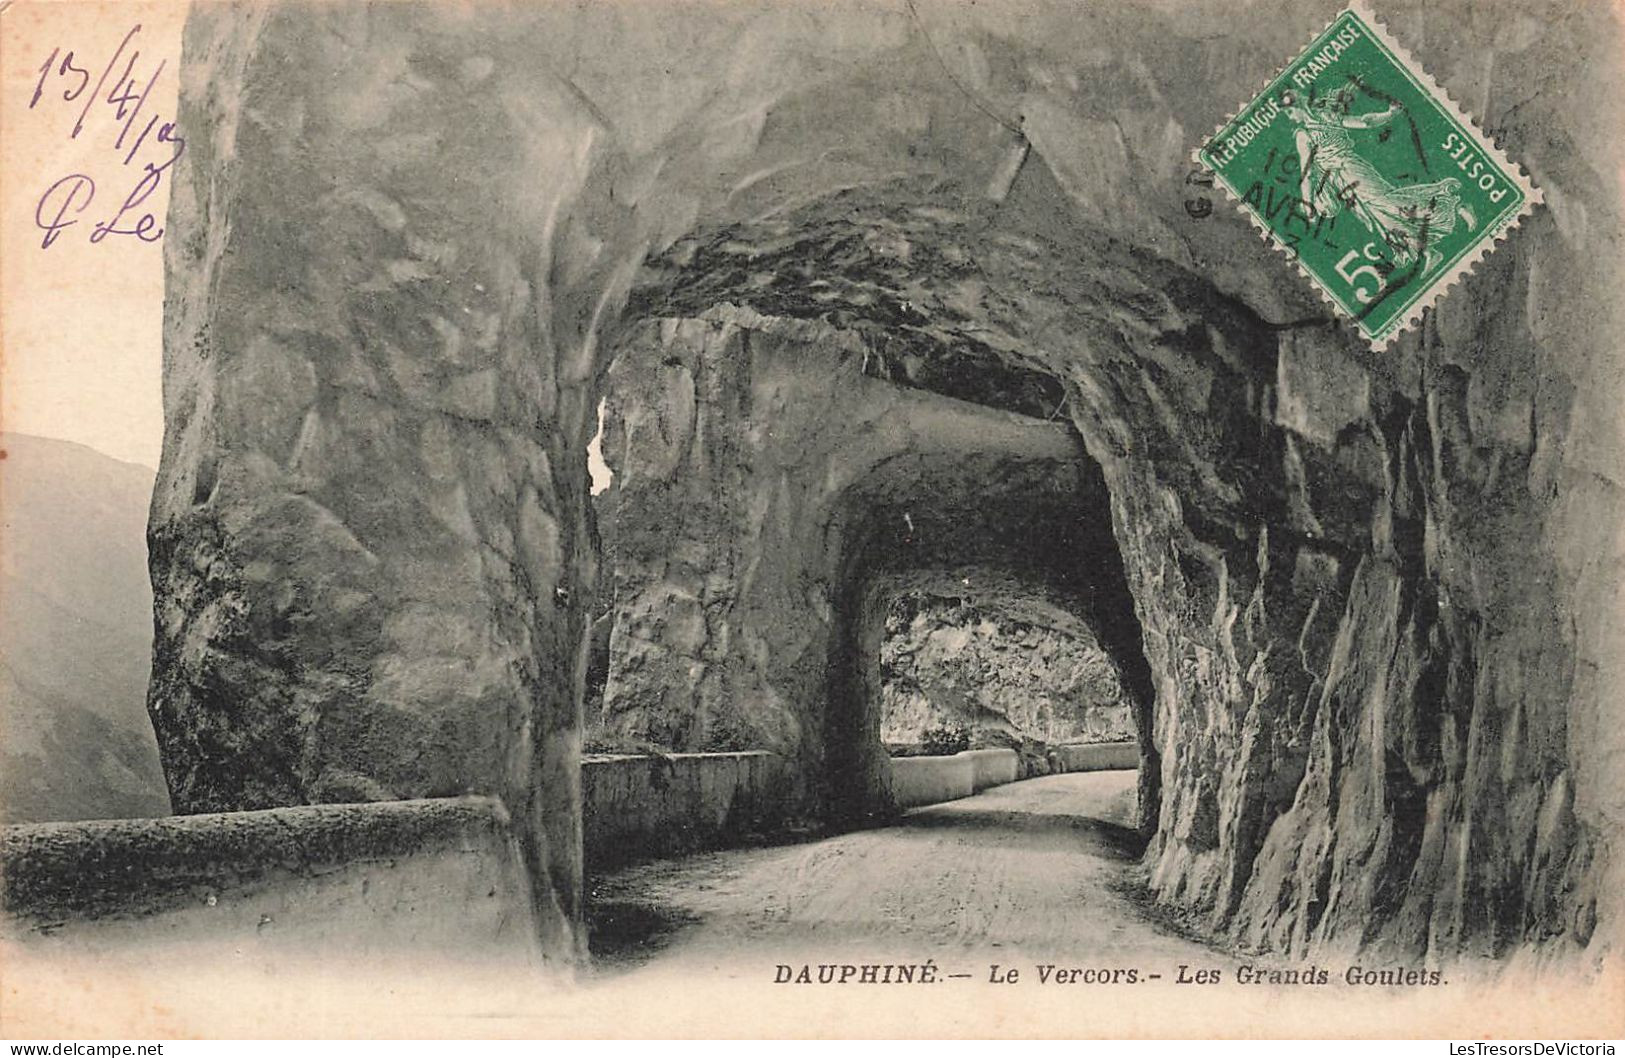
{"points": [[777, 474], [912, 294]]}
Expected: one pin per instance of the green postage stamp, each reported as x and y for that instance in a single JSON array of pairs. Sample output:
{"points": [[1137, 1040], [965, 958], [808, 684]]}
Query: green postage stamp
{"points": [[1363, 171]]}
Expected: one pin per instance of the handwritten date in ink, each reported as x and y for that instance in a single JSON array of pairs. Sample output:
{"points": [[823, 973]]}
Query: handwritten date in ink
{"points": [[111, 103]]}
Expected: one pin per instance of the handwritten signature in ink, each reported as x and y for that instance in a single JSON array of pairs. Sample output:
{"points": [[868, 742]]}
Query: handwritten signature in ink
{"points": [[61, 74]]}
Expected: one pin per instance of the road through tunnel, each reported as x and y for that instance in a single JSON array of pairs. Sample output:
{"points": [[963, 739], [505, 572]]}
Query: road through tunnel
{"points": [[762, 481], [1003, 531], [1223, 498], [899, 387], [837, 358]]}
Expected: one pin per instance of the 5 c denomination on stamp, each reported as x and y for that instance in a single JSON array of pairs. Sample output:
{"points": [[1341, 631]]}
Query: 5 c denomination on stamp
{"points": [[1360, 167]]}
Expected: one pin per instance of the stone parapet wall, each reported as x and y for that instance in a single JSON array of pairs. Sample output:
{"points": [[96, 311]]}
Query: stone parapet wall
{"points": [[641, 807], [367, 883], [408, 875], [993, 767], [919, 781], [1100, 756]]}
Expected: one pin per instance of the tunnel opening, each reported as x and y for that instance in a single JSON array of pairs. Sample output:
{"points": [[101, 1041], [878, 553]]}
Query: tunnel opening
{"points": [[992, 529], [779, 384], [961, 671], [802, 412]]}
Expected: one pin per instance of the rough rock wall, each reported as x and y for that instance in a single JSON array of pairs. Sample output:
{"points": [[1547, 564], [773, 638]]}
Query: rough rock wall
{"points": [[1421, 631], [946, 661], [339, 886], [1321, 551], [1367, 607], [368, 529]]}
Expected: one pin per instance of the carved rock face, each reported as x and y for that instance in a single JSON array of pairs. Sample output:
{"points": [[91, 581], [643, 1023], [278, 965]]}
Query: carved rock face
{"points": [[1370, 594]]}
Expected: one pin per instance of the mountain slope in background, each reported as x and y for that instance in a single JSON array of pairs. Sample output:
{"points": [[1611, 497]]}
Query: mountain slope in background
{"points": [[75, 636]]}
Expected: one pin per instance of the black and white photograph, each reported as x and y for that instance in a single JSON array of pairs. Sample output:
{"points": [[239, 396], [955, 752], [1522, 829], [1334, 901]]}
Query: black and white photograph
{"points": [[812, 519]]}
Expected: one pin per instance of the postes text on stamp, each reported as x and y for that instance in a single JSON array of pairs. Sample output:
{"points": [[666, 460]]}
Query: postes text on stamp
{"points": [[1362, 170]]}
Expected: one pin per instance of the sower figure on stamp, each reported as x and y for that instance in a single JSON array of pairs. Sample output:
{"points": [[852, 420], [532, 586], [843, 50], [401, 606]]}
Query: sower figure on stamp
{"points": [[1409, 219]]}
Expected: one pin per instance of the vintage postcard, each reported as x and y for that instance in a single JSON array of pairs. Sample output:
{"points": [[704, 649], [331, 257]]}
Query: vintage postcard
{"points": [[656, 518]]}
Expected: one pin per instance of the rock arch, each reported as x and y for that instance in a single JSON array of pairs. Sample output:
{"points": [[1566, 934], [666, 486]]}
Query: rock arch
{"points": [[1374, 591]]}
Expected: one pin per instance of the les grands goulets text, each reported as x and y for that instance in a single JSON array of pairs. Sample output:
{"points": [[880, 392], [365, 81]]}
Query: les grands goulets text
{"points": [[929, 972]]}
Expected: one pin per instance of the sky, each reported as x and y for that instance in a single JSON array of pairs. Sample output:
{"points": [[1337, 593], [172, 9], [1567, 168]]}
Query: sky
{"points": [[81, 323]]}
